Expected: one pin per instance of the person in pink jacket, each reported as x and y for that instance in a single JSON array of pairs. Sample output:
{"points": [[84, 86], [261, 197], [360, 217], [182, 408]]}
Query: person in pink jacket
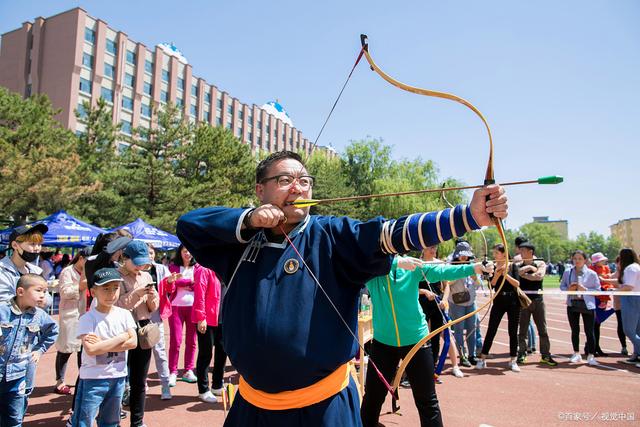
{"points": [[176, 304], [206, 313]]}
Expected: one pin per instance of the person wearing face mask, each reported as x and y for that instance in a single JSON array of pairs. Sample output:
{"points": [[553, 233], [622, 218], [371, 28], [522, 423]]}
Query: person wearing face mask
{"points": [[294, 282], [26, 244]]}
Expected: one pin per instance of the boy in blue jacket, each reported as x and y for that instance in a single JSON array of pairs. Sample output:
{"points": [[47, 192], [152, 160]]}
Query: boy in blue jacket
{"points": [[26, 333]]}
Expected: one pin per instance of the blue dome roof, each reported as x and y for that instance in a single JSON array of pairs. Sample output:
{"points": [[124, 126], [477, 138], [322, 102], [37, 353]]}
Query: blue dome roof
{"points": [[277, 110]]}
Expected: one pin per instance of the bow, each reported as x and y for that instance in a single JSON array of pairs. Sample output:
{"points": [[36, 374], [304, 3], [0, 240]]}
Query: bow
{"points": [[488, 179]]}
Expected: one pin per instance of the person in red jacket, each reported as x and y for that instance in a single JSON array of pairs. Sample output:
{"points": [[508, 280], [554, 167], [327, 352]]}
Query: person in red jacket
{"points": [[207, 298]]}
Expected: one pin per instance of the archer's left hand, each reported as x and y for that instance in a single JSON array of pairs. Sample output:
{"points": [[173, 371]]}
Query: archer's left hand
{"points": [[481, 208]]}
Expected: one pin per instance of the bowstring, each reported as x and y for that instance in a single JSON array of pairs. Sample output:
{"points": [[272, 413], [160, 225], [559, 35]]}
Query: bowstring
{"points": [[344, 322]]}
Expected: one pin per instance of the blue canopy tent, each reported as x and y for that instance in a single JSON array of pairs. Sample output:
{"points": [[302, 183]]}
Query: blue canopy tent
{"points": [[65, 231], [157, 238]]}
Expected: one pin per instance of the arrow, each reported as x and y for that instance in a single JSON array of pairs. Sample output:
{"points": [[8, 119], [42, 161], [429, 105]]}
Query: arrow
{"points": [[304, 203]]}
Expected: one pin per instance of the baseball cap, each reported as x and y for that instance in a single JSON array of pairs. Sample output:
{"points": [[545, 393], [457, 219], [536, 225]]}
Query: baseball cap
{"points": [[527, 245], [27, 229], [106, 275], [117, 244], [138, 252]]}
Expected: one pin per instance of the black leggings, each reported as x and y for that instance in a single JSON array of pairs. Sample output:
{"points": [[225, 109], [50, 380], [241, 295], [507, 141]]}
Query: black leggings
{"points": [[138, 362], [61, 364], [435, 320], [503, 304], [588, 318], [420, 374], [212, 337]]}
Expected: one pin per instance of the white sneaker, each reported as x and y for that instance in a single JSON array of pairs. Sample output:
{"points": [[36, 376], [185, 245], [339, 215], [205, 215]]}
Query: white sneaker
{"points": [[217, 391], [166, 392], [189, 377], [591, 360], [207, 397], [576, 358], [457, 372], [514, 366], [172, 380], [481, 364]]}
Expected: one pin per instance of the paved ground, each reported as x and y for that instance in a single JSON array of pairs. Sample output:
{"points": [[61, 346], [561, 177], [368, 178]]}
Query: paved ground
{"points": [[538, 395]]}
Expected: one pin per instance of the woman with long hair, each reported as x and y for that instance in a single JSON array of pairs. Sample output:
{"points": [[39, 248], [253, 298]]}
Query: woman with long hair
{"points": [[629, 280], [73, 304], [138, 295], [179, 289], [505, 302], [581, 278]]}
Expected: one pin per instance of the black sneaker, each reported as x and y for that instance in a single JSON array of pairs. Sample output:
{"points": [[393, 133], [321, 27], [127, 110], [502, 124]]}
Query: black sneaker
{"points": [[464, 362], [473, 360], [405, 383], [624, 351], [548, 360], [632, 360], [123, 414], [522, 357]]}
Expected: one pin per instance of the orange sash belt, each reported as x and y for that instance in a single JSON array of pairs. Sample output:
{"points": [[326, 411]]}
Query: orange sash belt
{"points": [[330, 385]]}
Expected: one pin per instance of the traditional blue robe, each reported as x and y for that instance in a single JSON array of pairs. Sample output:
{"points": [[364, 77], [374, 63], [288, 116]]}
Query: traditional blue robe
{"points": [[280, 331]]}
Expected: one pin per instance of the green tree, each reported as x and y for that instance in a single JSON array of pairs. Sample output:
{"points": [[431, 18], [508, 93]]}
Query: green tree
{"points": [[217, 169], [148, 182], [99, 163], [38, 159]]}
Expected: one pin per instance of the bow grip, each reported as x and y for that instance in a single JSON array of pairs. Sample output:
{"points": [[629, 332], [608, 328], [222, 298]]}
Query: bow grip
{"points": [[489, 182]]}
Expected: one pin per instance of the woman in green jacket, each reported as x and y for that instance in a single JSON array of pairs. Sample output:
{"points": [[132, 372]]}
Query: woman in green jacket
{"points": [[398, 324]]}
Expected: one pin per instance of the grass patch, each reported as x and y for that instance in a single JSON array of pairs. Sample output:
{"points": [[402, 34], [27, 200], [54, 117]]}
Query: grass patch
{"points": [[551, 282]]}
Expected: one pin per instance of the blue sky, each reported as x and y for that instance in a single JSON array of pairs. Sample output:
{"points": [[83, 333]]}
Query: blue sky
{"points": [[557, 81]]}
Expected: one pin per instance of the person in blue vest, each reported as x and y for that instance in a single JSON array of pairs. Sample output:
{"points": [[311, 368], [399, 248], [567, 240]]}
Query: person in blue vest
{"points": [[293, 288]]}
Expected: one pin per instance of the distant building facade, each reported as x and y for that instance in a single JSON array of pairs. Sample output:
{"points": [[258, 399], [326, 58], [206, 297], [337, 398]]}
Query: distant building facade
{"points": [[560, 225], [73, 57], [627, 231]]}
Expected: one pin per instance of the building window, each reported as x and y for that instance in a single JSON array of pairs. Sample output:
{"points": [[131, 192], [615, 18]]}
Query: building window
{"points": [[207, 116], [220, 104], [194, 110], [165, 76], [240, 114], [107, 94], [90, 35], [194, 90], [145, 110], [127, 103], [268, 130], [87, 60], [109, 70], [126, 127], [131, 57], [179, 102], [112, 47], [180, 83], [148, 66], [250, 136], [85, 85], [259, 124], [164, 96], [207, 97], [81, 111], [218, 121], [230, 109], [122, 148], [147, 88], [128, 80]]}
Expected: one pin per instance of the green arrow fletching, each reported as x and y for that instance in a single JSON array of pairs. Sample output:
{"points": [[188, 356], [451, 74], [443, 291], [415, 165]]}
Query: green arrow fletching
{"points": [[554, 179]]}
